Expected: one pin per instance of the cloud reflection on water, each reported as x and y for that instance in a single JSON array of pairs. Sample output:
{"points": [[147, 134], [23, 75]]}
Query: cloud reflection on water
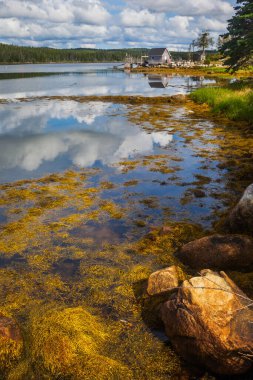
{"points": [[84, 82], [80, 134]]}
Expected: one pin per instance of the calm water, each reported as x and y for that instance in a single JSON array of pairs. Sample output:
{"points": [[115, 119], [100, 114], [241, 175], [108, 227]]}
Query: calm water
{"points": [[42, 137], [21, 81], [97, 178], [38, 138]]}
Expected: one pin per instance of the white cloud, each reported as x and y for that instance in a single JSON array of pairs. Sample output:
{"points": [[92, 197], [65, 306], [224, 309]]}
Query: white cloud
{"points": [[131, 17], [173, 23], [186, 8], [88, 11], [13, 28], [178, 26], [52, 20], [210, 24], [98, 23]]}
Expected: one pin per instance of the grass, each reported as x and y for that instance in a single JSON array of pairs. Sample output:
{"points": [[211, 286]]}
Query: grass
{"points": [[234, 101]]}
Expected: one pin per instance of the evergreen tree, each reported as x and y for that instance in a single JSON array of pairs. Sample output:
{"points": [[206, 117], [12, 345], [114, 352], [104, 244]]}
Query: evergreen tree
{"points": [[238, 42], [204, 41]]}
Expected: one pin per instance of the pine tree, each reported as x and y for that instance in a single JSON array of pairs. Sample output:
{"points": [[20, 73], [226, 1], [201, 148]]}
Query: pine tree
{"points": [[204, 41], [238, 42]]}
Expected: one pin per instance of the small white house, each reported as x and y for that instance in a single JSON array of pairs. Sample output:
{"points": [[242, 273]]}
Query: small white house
{"points": [[159, 56]]}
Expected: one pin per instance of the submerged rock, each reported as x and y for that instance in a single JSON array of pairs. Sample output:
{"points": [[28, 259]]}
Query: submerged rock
{"points": [[209, 323], [198, 193], [218, 252], [11, 342], [241, 217], [163, 280]]}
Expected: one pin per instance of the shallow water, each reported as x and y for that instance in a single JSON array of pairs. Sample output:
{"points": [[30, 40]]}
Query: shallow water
{"points": [[152, 167], [85, 188], [21, 81]]}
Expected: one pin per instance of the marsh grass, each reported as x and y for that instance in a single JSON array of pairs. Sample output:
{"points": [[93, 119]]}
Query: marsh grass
{"points": [[234, 101]]}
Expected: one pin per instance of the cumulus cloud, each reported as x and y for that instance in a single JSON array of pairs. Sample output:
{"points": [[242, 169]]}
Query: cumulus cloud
{"points": [[53, 20], [131, 17], [186, 8], [88, 11], [174, 23], [179, 26], [102, 24]]}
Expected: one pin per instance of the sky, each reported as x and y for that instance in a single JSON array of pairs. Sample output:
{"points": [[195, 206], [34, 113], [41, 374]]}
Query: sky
{"points": [[111, 23]]}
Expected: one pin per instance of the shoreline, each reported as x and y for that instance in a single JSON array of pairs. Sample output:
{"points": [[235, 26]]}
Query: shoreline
{"points": [[211, 71]]}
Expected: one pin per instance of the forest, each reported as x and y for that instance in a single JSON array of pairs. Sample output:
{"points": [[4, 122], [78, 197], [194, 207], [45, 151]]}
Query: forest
{"points": [[23, 54]]}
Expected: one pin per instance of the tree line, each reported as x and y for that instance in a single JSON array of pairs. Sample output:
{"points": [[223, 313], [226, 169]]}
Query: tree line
{"points": [[25, 54]]}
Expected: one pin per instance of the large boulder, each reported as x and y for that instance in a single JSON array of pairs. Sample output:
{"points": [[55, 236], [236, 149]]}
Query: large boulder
{"points": [[221, 252], [241, 217], [209, 323], [163, 280]]}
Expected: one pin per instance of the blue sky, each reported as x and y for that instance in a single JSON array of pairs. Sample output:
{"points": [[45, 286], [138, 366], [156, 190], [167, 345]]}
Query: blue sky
{"points": [[111, 23]]}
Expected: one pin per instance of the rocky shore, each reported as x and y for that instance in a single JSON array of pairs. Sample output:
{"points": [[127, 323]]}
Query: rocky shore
{"points": [[207, 318]]}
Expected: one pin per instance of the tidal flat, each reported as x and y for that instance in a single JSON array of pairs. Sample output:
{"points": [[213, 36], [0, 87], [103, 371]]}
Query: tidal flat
{"points": [[86, 190]]}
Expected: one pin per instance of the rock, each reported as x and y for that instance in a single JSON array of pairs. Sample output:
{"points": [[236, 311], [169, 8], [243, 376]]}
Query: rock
{"points": [[218, 252], [179, 98], [11, 342], [209, 323], [241, 217], [198, 193], [9, 329], [163, 280]]}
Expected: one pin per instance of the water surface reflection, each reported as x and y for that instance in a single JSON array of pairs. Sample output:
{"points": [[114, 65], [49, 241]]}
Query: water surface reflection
{"points": [[22, 81], [65, 134]]}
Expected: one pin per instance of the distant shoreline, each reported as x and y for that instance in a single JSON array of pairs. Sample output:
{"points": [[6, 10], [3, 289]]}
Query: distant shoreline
{"points": [[54, 63]]}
